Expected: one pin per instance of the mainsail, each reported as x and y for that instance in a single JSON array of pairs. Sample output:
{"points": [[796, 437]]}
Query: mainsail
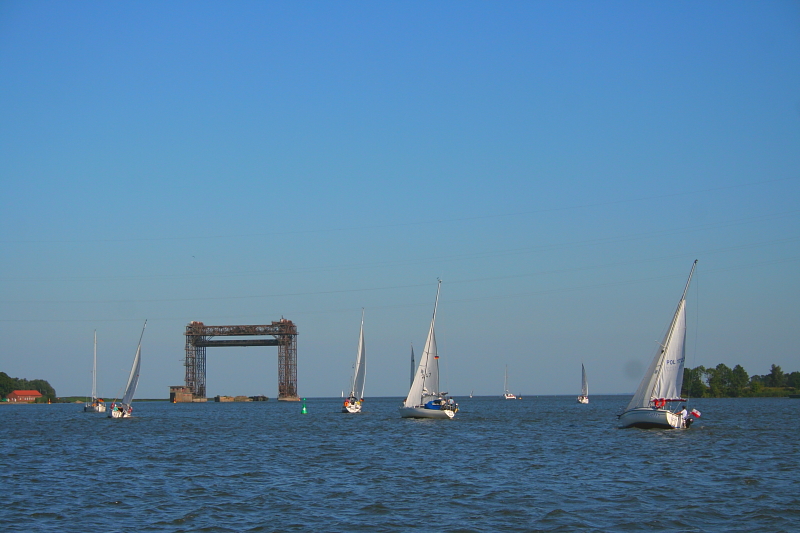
{"points": [[426, 379], [664, 377], [584, 383], [357, 390], [133, 379]]}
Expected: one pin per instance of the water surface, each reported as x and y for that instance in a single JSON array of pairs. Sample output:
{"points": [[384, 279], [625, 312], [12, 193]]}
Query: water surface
{"points": [[536, 464]]}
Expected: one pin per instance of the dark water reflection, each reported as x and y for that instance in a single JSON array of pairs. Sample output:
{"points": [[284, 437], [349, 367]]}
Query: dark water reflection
{"points": [[536, 464]]}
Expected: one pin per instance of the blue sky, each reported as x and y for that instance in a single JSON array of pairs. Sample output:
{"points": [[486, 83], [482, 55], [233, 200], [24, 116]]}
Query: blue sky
{"points": [[559, 165]]}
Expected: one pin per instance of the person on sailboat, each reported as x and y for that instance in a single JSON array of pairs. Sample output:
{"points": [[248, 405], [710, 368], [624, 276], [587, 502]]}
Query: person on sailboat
{"points": [[684, 414]]}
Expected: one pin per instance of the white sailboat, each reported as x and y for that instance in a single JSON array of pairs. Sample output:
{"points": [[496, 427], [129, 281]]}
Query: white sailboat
{"points": [[353, 402], [424, 399], [97, 405], [507, 395], [662, 382], [124, 408], [413, 366], [584, 397]]}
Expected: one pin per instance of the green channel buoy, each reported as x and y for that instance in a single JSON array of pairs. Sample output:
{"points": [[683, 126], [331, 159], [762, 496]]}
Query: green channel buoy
{"points": [[304, 411]]}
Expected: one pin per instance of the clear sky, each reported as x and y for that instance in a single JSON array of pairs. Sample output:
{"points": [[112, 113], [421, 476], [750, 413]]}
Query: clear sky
{"points": [[558, 164]]}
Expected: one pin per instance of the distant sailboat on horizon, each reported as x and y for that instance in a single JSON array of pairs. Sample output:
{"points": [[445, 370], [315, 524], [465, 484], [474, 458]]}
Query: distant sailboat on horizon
{"points": [[353, 402], [96, 405], [584, 397], [413, 367], [507, 395]]}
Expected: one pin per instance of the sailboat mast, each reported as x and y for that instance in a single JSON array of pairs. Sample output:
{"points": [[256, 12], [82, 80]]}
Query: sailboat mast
{"points": [[357, 368], [431, 342], [689, 280], [94, 368], [435, 305], [678, 310], [142, 335]]}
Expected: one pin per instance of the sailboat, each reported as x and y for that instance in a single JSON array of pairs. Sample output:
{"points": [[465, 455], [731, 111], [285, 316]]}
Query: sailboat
{"points": [[661, 384], [424, 399], [507, 395], [353, 402], [124, 408], [96, 405], [584, 397], [413, 366]]}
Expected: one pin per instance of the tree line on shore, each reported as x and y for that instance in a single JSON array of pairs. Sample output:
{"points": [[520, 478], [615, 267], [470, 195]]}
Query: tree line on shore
{"points": [[9, 385], [724, 382], [699, 382]]}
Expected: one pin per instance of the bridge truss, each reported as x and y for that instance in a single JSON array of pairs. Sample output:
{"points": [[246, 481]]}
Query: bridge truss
{"points": [[284, 336]]}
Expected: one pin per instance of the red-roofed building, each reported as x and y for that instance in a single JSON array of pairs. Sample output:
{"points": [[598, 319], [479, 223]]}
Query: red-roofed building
{"points": [[24, 396]]}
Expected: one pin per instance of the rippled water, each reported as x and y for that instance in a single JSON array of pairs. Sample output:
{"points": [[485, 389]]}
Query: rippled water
{"points": [[536, 464]]}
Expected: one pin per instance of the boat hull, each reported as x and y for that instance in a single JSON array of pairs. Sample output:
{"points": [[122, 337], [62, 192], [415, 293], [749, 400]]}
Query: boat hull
{"points": [[583, 399], [89, 408], [125, 412], [421, 412], [649, 418], [352, 408]]}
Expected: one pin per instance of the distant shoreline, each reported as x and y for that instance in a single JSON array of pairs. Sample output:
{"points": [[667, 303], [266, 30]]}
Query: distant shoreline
{"points": [[79, 400]]}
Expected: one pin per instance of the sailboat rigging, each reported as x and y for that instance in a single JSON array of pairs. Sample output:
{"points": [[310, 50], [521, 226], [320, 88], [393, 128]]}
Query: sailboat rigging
{"points": [[424, 399], [507, 395], [124, 408], [661, 384], [96, 405], [584, 397], [353, 402]]}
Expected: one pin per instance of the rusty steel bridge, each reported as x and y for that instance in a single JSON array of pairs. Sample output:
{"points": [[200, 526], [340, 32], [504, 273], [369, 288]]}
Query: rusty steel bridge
{"points": [[284, 336]]}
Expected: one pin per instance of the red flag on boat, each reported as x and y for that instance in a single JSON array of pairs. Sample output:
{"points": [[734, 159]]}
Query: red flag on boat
{"points": [[696, 413]]}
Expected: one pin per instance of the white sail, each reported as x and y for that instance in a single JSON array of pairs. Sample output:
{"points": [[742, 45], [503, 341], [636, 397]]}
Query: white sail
{"points": [[584, 383], [668, 384], [133, 378], [664, 377], [426, 378], [359, 377]]}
